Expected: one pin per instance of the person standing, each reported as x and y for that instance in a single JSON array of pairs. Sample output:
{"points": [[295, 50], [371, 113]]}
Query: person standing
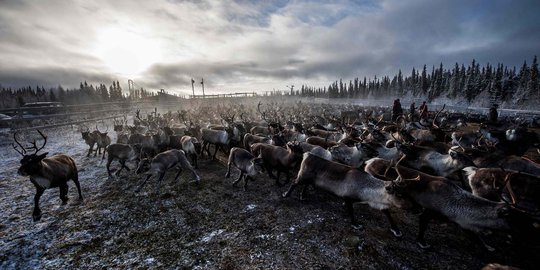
{"points": [[423, 110], [493, 114], [396, 109], [412, 109]]}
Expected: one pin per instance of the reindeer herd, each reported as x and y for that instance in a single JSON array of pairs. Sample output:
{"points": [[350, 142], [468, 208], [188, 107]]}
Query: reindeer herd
{"points": [[479, 178]]}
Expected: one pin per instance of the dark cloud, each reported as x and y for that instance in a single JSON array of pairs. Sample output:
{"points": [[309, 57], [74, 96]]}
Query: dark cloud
{"points": [[254, 44], [50, 77]]}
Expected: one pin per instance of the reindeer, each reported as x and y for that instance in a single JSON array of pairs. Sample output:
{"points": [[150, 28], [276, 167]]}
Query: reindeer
{"points": [[191, 147], [122, 152], [315, 150], [350, 184], [219, 138], [423, 158], [322, 142], [352, 156], [47, 172], [103, 140], [90, 138], [244, 161], [250, 139], [440, 197], [497, 184], [278, 158], [161, 163]]}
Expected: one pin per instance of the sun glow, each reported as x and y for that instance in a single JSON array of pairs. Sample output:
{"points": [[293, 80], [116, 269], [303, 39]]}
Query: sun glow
{"points": [[126, 52]]}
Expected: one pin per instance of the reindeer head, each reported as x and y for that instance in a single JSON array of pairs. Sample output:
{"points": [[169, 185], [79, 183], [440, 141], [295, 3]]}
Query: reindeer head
{"points": [[462, 158], [144, 166], [85, 132], [257, 164], [30, 163]]}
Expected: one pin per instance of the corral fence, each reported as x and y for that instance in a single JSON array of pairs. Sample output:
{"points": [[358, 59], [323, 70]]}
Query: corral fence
{"points": [[23, 118]]}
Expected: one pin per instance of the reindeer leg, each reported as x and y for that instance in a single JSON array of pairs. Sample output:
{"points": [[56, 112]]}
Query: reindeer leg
{"points": [[424, 220], [90, 150], [63, 193], [36, 215], [350, 211], [194, 159], [277, 179], [109, 161], [303, 193], [393, 227], [178, 174], [208, 150], [478, 238], [123, 162], [159, 181], [269, 170], [143, 183], [239, 178], [288, 175], [228, 174], [291, 188], [246, 178], [78, 185], [215, 151]]}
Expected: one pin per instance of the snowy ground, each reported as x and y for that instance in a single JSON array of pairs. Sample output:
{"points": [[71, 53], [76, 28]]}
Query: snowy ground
{"points": [[212, 225]]}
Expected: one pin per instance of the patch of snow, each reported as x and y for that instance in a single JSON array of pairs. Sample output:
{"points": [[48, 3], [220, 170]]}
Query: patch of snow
{"points": [[211, 235]]}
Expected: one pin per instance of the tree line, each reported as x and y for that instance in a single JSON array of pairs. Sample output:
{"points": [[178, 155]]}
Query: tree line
{"points": [[494, 84], [498, 83], [86, 93]]}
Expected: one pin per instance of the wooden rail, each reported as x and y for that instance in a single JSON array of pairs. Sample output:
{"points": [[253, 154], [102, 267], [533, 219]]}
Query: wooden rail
{"points": [[68, 123], [65, 114]]}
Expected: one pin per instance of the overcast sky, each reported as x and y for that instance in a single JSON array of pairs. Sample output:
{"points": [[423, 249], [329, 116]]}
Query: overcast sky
{"points": [[253, 45]]}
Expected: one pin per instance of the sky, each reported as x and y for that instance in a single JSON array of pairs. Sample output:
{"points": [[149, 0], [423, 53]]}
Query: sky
{"points": [[242, 45]]}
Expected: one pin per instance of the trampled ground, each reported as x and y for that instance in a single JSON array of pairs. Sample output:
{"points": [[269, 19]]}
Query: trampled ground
{"points": [[213, 225]]}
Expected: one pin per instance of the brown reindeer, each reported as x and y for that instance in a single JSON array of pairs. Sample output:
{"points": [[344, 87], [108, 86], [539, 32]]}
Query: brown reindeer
{"points": [[90, 138], [244, 161], [47, 172], [122, 152], [161, 163], [440, 197], [278, 158], [349, 184], [496, 184]]}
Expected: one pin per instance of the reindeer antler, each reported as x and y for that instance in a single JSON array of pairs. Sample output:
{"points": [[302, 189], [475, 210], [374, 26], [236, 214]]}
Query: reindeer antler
{"points": [[22, 151], [34, 146], [435, 118]]}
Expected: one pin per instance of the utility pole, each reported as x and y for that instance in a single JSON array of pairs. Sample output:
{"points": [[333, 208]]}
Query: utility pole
{"points": [[292, 89], [202, 83], [131, 88], [193, 88]]}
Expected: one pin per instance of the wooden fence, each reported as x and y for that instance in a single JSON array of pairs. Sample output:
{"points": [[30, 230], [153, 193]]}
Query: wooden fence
{"points": [[23, 118]]}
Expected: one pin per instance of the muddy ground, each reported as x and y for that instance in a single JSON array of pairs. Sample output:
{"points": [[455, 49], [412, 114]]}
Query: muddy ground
{"points": [[214, 226]]}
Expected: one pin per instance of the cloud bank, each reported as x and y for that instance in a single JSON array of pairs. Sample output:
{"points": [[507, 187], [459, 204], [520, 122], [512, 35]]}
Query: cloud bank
{"points": [[253, 45]]}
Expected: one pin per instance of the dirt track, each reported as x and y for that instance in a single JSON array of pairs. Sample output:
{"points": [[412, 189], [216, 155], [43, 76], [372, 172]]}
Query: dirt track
{"points": [[214, 225]]}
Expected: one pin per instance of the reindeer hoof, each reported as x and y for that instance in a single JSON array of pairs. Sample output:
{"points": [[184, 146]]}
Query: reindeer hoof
{"points": [[397, 233], [423, 245], [36, 217]]}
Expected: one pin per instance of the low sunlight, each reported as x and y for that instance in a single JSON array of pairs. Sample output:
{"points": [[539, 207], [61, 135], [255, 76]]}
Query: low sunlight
{"points": [[125, 52]]}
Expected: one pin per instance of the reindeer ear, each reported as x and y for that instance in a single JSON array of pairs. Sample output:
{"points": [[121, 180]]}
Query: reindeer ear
{"points": [[42, 156]]}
